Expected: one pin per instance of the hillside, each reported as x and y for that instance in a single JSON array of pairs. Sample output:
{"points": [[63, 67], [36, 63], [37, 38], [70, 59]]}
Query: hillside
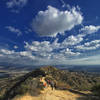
{"points": [[48, 94], [76, 80], [66, 82], [55, 94]]}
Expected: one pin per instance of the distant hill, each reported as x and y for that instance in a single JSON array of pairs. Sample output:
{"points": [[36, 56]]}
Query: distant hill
{"points": [[92, 68], [85, 68], [30, 82]]}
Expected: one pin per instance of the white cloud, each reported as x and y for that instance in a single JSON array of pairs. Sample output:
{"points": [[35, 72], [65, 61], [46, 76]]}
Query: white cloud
{"points": [[38, 53], [90, 29], [39, 46], [15, 47], [64, 4], [26, 58], [73, 40], [53, 21], [82, 47], [49, 50], [46, 47], [68, 52], [88, 60], [5, 51], [14, 30], [27, 54], [1, 55], [21, 58], [89, 45], [14, 3], [46, 53]]}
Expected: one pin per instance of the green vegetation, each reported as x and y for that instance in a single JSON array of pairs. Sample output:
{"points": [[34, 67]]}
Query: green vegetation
{"points": [[74, 80], [96, 89]]}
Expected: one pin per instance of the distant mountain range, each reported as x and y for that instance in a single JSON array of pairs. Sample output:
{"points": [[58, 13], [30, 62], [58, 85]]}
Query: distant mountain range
{"points": [[85, 68], [88, 68]]}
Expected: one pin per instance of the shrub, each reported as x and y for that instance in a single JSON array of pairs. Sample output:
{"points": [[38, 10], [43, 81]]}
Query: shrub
{"points": [[96, 89]]}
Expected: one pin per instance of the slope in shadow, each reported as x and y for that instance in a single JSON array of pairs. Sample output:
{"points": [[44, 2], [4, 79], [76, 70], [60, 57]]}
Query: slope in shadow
{"points": [[88, 98], [11, 93]]}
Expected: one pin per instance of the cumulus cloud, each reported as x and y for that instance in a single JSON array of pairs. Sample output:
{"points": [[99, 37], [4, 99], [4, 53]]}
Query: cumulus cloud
{"points": [[89, 45], [26, 58], [16, 4], [5, 51], [68, 52], [90, 29], [47, 53], [73, 40], [14, 30], [35, 53], [27, 54], [53, 21], [38, 53], [50, 51], [39, 46], [21, 58], [47, 47]]}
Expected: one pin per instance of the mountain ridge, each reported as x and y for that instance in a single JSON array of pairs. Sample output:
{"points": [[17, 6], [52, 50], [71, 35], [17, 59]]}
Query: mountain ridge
{"points": [[30, 82]]}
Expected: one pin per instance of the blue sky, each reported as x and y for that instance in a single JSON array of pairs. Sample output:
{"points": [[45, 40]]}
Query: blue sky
{"points": [[49, 32]]}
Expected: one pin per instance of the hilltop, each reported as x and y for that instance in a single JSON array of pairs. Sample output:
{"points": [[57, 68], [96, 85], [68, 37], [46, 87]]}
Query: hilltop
{"points": [[31, 85]]}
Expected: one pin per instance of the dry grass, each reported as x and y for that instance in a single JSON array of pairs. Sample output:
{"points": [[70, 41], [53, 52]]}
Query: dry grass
{"points": [[61, 84], [48, 94]]}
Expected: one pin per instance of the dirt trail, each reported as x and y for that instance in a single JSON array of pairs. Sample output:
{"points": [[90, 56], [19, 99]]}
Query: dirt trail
{"points": [[58, 95], [49, 94]]}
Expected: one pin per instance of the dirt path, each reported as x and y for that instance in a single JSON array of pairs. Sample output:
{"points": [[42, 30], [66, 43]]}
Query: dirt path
{"points": [[49, 94], [58, 95]]}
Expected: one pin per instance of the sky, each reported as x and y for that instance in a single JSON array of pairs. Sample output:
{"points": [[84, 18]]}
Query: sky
{"points": [[49, 32]]}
